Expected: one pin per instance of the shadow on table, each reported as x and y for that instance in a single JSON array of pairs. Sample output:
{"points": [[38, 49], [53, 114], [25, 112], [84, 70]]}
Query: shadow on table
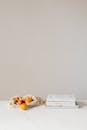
{"points": [[82, 104]]}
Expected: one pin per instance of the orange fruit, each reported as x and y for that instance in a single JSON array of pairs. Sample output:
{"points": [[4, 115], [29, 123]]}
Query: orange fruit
{"points": [[28, 100], [20, 102], [23, 106]]}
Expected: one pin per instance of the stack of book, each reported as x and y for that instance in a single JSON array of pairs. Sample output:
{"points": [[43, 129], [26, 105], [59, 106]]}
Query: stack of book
{"points": [[61, 101]]}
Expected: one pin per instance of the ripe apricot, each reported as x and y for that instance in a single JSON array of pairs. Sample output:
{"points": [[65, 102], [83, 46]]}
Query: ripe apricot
{"points": [[23, 106], [28, 100], [20, 102]]}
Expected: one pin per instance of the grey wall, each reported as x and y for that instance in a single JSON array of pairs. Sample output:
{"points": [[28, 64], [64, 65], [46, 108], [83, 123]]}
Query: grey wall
{"points": [[43, 47]]}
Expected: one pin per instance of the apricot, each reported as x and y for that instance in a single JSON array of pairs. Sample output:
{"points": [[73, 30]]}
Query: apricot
{"points": [[23, 106], [20, 102], [28, 100]]}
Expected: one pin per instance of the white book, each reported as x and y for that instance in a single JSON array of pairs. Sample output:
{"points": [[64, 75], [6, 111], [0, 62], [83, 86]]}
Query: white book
{"points": [[59, 98], [63, 107], [60, 103]]}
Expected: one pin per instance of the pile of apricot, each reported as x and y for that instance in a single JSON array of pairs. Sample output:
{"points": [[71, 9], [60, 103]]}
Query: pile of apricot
{"points": [[23, 103]]}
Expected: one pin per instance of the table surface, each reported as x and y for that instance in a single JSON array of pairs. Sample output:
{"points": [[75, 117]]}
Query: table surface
{"points": [[43, 118]]}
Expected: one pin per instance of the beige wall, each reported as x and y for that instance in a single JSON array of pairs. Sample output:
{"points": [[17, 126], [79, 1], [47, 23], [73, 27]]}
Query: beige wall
{"points": [[43, 47]]}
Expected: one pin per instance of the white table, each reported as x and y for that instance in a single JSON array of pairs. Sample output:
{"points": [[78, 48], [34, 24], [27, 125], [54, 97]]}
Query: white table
{"points": [[42, 118]]}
